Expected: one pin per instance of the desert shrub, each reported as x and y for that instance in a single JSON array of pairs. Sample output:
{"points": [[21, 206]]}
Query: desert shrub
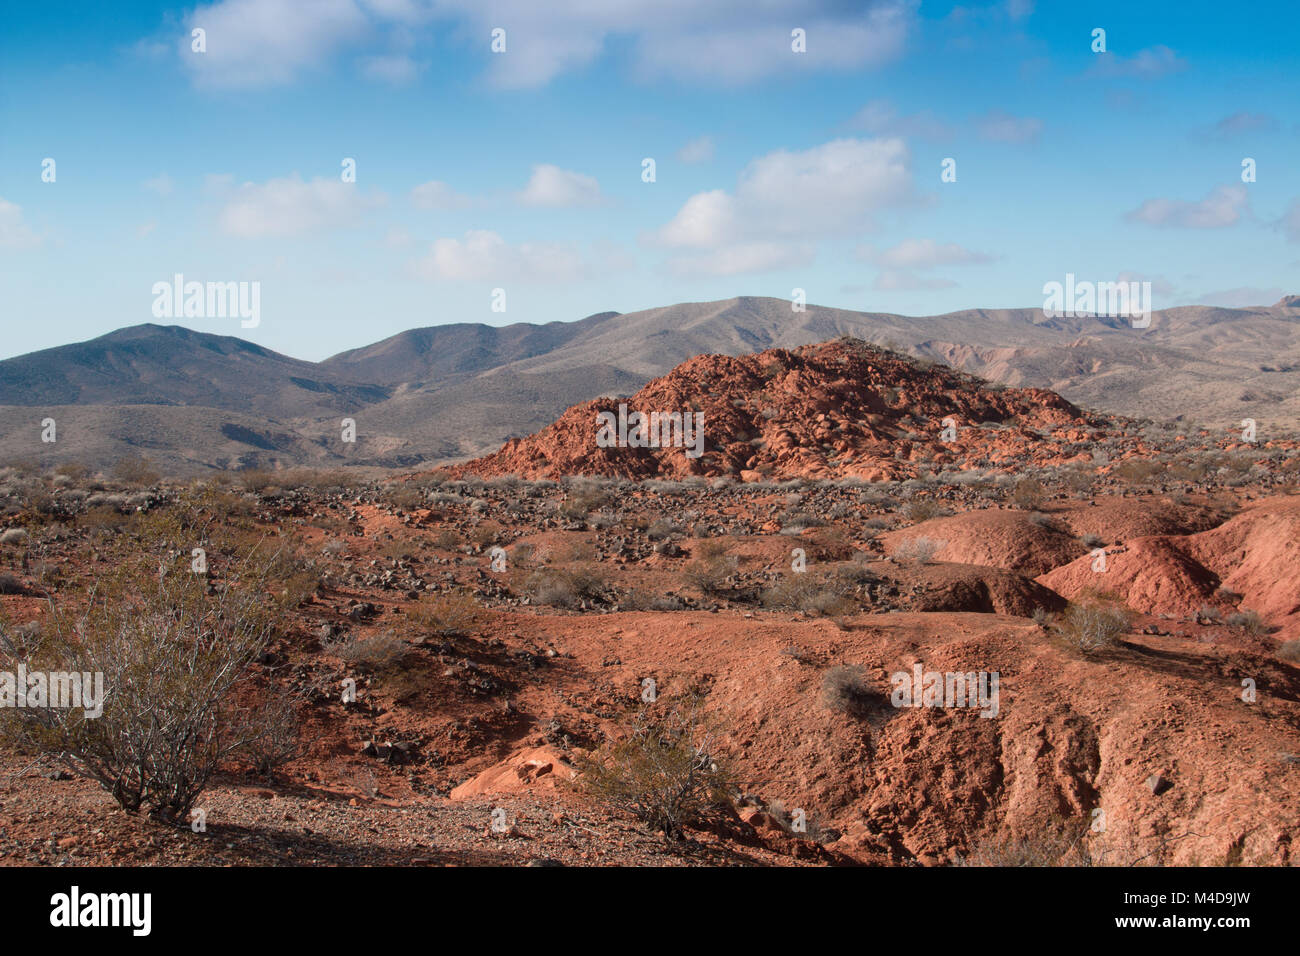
{"points": [[447, 540], [710, 575], [454, 614], [135, 470], [1290, 651], [256, 479], [565, 587], [10, 584], [919, 550], [72, 469], [486, 533], [1093, 540], [173, 658], [1028, 494], [712, 548], [812, 594], [275, 740], [1044, 521], [643, 599], [1054, 846], [370, 655], [403, 496], [664, 771], [846, 689], [1137, 469], [662, 528], [1095, 622], [923, 509], [1251, 622]]}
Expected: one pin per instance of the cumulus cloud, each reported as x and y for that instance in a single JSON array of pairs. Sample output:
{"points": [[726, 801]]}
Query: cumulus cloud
{"points": [[880, 118], [253, 43], [263, 42], [1000, 127], [829, 190], [1236, 125], [742, 258], [1145, 64], [290, 207], [698, 150], [397, 68], [1241, 297], [784, 200], [484, 255], [552, 186], [437, 195], [921, 254], [900, 280], [732, 41], [1224, 206], [14, 232], [161, 184]]}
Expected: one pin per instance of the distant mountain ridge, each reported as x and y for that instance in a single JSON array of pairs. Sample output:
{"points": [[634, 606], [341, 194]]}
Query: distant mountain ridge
{"points": [[195, 401]]}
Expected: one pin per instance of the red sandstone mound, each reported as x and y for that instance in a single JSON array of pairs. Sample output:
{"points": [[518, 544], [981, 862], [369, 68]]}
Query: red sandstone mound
{"points": [[996, 538], [1122, 519], [833, 410], [1154, 575], [1255, 555]]}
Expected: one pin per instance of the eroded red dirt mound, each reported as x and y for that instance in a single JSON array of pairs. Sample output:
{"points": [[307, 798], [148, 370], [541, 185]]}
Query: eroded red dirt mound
{"points": [[1257, 555], [839, 409], [1154, 575], [1019, 541], [985, 590], [1115, 520], [1251, 561]]}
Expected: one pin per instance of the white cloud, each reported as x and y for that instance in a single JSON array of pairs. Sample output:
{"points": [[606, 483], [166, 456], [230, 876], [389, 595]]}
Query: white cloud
{"points": [[1000, 127], [1145, 64], [254, 43], [1238, 124], [552, 186], [1019, 9], [880, 118], [742, 258], [1222, 207], [900, 280], [161, 184], [397, 69], [921, 254], [732, 41], [829, 190], [484, 255], [698, 150], [288, 207], [437, 195], [14, 232], [1241, 297]]}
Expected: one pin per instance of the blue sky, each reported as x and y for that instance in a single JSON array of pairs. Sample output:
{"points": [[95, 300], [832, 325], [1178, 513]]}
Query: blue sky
{"points": [[522, 170]]}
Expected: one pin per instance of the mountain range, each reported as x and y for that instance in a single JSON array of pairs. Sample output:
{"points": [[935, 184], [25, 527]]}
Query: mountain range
{"points": [[193, 401]]}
